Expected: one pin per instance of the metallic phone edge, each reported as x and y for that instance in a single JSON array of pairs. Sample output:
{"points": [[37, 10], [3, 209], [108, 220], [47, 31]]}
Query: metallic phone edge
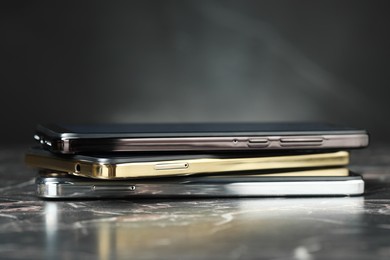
{"points": [[194, 166], [58, 190], [69, 143]]}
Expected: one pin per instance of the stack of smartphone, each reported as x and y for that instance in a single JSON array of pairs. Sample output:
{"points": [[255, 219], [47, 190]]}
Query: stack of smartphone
{"points": [[200, 160]]}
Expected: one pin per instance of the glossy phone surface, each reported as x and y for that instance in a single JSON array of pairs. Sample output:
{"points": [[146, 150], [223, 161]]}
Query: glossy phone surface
{"points": [[134, 166], [56, 185], [197, 137]]}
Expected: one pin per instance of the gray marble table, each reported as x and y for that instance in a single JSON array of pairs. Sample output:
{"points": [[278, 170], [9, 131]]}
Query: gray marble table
{"points": [[263, 228]]}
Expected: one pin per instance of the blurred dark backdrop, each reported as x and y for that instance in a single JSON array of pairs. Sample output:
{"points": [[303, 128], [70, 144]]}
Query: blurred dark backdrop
{"points": [[189, 61]]}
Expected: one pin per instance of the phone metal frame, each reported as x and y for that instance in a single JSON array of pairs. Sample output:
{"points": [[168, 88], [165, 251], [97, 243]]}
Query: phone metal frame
{"points": [[59, 140], [64, 186], [174, 165]]}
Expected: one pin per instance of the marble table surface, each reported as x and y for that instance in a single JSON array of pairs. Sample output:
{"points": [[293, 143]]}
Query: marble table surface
{"points": [[246, 228]]}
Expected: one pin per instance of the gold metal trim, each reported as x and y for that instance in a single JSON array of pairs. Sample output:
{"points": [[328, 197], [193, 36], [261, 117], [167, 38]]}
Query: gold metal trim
{"points": [[194, 166]]}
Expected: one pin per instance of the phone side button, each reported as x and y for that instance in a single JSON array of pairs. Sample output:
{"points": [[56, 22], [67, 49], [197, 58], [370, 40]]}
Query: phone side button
{"points": [[301, 141], [171, 166], [258, 142], [114, 188]]}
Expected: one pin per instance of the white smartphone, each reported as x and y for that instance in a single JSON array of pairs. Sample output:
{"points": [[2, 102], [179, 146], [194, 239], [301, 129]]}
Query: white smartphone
{"points": [[57, 185]]}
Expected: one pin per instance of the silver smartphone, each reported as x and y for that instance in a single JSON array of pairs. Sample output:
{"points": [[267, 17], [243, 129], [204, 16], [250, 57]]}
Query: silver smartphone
{"points": [[57, 185], [68, 139]]}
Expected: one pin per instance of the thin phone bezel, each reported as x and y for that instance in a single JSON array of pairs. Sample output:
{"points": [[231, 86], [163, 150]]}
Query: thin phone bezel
{"points": [[64, 186], [62, 140], [115, 167]]}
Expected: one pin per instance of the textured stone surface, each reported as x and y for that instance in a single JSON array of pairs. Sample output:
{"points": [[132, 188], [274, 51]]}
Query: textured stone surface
{"points": [[270, 228]]}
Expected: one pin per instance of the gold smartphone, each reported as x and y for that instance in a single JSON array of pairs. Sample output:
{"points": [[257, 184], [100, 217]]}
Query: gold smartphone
{"points": [[138, 166]]}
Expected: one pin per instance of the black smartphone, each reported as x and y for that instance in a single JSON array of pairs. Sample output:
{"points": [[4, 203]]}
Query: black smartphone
{"points": [[70, 139]]}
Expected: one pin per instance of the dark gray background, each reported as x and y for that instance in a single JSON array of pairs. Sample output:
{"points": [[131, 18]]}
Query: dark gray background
{"points": [[189, 61]]}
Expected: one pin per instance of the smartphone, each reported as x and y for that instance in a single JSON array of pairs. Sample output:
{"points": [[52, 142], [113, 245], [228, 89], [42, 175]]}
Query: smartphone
{"points": [[133, 166], [70, 139], [57, 185]]}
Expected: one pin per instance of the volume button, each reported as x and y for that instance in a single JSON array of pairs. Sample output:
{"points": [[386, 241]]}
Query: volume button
{"points": [[258, 142], [171, 166], [301, 141]]}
